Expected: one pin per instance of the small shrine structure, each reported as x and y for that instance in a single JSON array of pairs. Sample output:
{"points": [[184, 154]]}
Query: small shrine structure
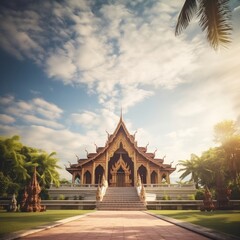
{"points": [[31, 201], [120, 162]]}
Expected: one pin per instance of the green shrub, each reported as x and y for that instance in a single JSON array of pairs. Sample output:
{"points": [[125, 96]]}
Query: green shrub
{"points": [[179, 197], [235, 195], [44, 194], [191, 197], [166, 197], [199, 195], [61, 197]]}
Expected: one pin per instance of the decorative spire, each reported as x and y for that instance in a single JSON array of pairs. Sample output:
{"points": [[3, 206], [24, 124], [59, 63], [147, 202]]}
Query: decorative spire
{"points": [[147, 145], [134, 134], [121, 116], [108, 134]]}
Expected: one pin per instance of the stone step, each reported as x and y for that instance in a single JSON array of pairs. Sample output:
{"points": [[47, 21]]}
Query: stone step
{"points": [[118, 200], [123, 209], [121, 198], [121, 203]]}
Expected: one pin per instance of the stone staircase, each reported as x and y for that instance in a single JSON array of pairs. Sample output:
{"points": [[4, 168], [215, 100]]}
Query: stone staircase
{"points": [[121, 199]]}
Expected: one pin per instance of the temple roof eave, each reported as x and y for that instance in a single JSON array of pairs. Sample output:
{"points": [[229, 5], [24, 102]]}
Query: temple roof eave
{"points": [[72, 169], [169, 169]]}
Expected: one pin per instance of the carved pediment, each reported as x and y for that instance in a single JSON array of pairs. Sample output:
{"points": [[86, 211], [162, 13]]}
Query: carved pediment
{"points": [[120, 163]]}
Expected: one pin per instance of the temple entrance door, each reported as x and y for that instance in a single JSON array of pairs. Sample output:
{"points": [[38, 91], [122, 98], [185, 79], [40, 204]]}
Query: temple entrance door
{"points": [[120, 178]]}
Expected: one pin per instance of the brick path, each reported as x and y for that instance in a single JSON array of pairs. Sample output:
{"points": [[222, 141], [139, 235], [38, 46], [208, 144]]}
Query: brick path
{"points": [[104, 225]]}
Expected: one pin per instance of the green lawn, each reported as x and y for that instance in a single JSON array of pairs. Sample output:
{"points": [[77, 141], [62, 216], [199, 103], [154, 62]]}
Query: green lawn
{"points": [[223, 221], [11, 222]]}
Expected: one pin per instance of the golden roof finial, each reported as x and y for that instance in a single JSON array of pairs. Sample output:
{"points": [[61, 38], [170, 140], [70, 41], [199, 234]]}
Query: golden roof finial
{"points": [[121, 116]]}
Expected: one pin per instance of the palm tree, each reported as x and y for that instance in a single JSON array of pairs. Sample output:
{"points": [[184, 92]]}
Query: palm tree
{"points": [[232, 159], [190, 168], [46, 168], [227, 133], [211, 166], [214, 18]]}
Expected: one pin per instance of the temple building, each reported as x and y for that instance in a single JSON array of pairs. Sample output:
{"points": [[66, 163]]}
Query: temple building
{"points": [[120, 162]]}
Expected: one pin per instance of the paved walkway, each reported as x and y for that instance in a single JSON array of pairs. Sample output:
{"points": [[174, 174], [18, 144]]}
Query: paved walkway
{"points": [[105, 225]]}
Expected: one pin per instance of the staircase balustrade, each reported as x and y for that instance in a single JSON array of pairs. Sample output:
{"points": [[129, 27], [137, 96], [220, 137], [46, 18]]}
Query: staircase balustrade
{"points": [[101, 190]]}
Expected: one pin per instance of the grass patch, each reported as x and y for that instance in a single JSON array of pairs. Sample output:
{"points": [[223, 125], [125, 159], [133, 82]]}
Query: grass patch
{"points": [[15, 221], [222, 221]]}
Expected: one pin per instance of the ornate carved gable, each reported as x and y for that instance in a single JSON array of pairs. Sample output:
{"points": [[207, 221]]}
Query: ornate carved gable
{"points": [[120, 164]]}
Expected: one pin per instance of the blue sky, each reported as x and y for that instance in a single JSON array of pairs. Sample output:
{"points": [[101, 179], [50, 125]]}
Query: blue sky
{"points": [[67, 68]]}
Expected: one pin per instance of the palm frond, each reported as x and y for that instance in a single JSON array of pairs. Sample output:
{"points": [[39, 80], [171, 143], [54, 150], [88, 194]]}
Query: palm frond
{"points": [[185, 174], [188, 11], [215, 19]]}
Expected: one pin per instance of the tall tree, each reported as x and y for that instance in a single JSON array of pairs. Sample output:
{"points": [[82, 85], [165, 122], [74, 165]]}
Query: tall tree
{"points": [[225, 130], [190, 167], [46, 168], [214, 18], [227, 133], [211, 167], [18, 161]]}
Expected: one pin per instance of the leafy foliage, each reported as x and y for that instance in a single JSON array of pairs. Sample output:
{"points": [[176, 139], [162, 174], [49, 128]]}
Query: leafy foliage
{"points": [[219, 166], [17, 163], [214, 19], [199, 195]]}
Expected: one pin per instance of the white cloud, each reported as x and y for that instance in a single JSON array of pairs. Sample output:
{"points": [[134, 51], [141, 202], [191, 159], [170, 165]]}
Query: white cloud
{"points": [[91, 54], [61, 66], [133, 95], [36, 120], [47, 109], [24, 106], [6, 119], [182, 133], [6, 100], [18, 29], [109, 49], [36, 111], [99, 121], [87, 119]]}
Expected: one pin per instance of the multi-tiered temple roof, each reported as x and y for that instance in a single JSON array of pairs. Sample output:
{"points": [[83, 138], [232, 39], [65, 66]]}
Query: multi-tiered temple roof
{"points": [[121, 144]]}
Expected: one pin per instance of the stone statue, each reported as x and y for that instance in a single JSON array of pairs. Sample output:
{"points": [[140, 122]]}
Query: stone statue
{"points": [[207, 201], [13, 204]]}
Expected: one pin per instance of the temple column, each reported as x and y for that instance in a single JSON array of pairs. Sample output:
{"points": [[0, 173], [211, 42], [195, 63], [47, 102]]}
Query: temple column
{"points": [[93, 173], [158, 177], [148, 175], [83, 180], [135, 168], [73, 178], [106, 166], [80, 177], [168, 178]]}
